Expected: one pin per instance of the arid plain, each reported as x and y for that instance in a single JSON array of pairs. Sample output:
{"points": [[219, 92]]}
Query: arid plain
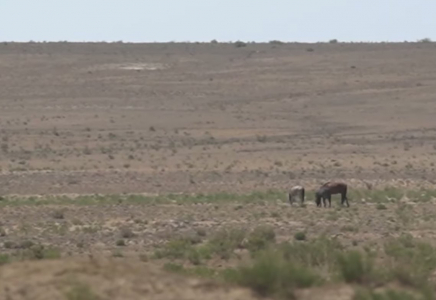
{"points": [[95, 138]]}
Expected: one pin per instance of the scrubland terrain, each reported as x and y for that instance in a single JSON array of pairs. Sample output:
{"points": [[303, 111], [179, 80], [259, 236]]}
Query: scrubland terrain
{"points": [[160, 171]]}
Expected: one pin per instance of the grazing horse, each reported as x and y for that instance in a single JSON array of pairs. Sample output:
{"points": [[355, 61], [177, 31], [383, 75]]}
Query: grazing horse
{"points": [[296, 191], [328, 189]]}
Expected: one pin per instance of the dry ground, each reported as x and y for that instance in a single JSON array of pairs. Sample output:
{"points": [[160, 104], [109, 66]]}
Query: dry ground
{"points": [[204, 118], [111, 118], [131, 238]]}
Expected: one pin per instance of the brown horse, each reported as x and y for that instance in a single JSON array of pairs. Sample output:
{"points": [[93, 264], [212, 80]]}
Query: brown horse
{"points": [[328, 189]]}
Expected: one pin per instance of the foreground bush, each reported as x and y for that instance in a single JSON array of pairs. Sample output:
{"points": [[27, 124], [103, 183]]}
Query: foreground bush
{"points": [[278, 270], [271, 274], [390, 294], [354, 267]]}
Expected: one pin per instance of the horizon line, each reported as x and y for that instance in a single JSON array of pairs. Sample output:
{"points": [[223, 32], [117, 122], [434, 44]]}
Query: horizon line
{"points": [[214, 41]]}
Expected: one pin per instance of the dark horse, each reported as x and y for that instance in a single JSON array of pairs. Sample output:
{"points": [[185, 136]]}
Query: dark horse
{"points": [[328, 189]]}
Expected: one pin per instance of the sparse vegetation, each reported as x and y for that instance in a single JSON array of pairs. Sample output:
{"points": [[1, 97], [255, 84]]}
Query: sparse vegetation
{"points": [[272, 275], [280, 269], [180, 156], [300, 236], [81, 291]]}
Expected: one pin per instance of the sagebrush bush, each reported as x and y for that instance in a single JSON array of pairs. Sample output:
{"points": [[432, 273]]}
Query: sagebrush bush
{"points": [[277, 270], [319, 253], [366, 294], [175, 249], [271, 274], [411, 261], [224, 242], [355, 267], [300, 236], [260, 238]]}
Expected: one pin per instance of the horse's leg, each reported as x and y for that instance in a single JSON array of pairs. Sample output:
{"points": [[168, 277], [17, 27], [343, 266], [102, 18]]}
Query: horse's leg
{"points": [[344, 195], [302, 196], [330, 200], [346, 200], [290, 198]]}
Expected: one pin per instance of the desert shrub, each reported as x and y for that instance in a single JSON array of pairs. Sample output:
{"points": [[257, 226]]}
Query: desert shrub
{"points": [[320, 253], [4, 259], [381, 206], [172, 267], [120, 243], [349, 228], [199, 271], [126, 233], [81, 291], [240, 44], [174, 249], [355, 267], [260, 238], [39, 251], [194, 256], [278, 270], [411, 261], [58, 214], [271, 274], [365, 294], [224, 242], [300, 236]]}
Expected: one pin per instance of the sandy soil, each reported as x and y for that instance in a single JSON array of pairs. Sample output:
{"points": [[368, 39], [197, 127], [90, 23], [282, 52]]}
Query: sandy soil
{"points": [[111, 118]]}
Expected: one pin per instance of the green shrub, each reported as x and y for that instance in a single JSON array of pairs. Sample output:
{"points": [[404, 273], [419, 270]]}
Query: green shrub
{"points": [[300, 236], [411, 261], [4, 259], [224, 242], [81, 291], [40, 252], [260, 238], [364, 294], [355, 267], [381, 206], [175, 249], [271, 274], [318, 253]]}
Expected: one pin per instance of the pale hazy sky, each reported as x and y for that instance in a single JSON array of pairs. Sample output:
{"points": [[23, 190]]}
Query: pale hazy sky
{"points": [[224, 20]]}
